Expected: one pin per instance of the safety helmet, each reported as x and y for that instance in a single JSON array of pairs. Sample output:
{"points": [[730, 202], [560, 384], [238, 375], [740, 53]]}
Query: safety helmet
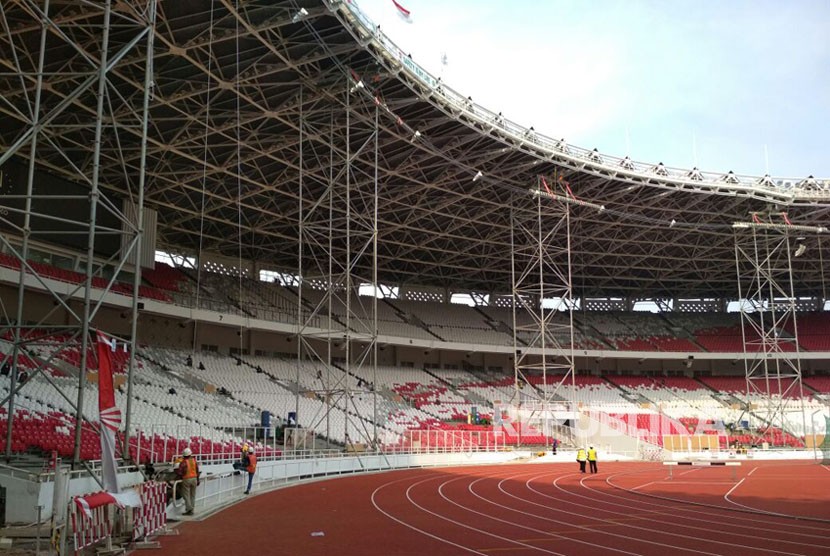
{"points": [[245, 447], [250, 449], [187, 452]]}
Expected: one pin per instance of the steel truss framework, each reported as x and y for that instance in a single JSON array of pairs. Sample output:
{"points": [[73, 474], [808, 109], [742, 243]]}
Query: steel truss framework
{"points": [[79, 105], [336, 248], [540, 253], [283, 133], [763, 260], [542, 292], [439, 227]]}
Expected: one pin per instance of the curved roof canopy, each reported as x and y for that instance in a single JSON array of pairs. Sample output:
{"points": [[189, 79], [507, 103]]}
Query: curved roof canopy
{"points": [[270, 117]]}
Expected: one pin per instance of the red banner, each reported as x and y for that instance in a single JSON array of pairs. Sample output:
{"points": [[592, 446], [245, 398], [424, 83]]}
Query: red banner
{"points": [[109, 415]]}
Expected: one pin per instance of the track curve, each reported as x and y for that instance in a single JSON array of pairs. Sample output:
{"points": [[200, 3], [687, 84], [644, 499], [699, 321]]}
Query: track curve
{"points": [[629, 508]]}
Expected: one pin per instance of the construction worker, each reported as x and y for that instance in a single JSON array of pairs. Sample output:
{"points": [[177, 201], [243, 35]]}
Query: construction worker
{"points": [[592, 459], [581, 458], [243, 459], [251, 468], [188, 470]]}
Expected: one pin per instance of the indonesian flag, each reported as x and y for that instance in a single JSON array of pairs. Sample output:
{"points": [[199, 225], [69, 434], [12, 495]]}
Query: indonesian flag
{"points": [[108, 414], [405, 14], [89, 502]]}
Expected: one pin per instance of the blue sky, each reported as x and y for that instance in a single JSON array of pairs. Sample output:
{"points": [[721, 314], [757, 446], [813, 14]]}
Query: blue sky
{"points": [[709, 83]]}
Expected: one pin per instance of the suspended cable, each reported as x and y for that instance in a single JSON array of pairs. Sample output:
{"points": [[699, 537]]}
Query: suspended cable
{"points": [[204, 176], [238, 169]]}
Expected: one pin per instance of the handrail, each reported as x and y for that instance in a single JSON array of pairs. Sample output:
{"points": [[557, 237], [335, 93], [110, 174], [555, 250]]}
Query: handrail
{"points": [[783, 188]]}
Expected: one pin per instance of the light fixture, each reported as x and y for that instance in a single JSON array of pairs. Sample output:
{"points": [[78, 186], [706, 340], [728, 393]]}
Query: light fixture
{"points": [[358, 85], [800, 249], [415, 135], [478, 176], [299, 16]]}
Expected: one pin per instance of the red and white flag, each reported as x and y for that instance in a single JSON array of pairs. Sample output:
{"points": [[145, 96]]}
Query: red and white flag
{"points": [[405, 14], [89, 502], [108, 414]]}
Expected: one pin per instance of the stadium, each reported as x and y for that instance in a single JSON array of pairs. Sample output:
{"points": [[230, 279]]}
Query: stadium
{"points": [[263, 225]]}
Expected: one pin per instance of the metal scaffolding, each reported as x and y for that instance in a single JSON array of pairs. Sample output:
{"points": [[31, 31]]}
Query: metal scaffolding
{"points": [[337, 257], [542, 301], [769, 329], [99, 47]]}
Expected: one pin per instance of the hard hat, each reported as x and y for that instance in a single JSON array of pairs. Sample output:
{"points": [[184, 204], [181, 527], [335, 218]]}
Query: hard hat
{"points": [[250, 449], [245, 448], [187, 452]]}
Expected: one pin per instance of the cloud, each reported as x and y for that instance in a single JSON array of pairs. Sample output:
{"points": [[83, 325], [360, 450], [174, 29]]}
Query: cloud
{"points": [[736, 75]]}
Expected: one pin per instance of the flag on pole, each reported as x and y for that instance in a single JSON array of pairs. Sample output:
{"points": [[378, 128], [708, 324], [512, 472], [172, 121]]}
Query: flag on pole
{"points": [[108, 414], [405, 14]]}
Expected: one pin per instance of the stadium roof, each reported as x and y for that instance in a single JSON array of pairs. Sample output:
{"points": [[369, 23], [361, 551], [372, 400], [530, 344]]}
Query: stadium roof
{"points": [[258, 103]]}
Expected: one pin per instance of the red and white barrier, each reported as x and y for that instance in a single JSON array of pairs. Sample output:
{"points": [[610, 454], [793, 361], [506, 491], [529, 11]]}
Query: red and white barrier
{"points": [[90, 520], [151, 517]]}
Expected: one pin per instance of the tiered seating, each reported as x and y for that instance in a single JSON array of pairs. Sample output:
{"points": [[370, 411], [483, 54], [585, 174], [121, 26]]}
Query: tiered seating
{"points": [[818, 383], [648, 426], [165, 277], [813, 331], [500, 390], [669, 344], [72, 277], [453, 322]]}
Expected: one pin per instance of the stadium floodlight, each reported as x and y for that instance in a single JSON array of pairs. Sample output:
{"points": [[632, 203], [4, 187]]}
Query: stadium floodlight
{"points": [[730, 177], [660, 170], [771, 226], [415, 136], [568, 200], [478, 176], [800, 250], [299, 16], [357, 86], [672, 223]]}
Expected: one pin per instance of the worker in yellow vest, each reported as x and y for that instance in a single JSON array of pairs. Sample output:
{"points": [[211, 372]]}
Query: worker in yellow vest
{"points": [[592, 459], [581, 458]]}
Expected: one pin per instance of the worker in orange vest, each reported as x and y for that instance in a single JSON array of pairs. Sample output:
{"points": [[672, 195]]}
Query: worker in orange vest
{"points": [[250, 468], [188, 470]]}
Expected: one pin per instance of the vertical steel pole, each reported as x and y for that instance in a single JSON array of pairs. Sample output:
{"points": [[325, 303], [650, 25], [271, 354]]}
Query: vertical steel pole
{"points": [[27, 230], [142, 177], [375, 292], [90, 250]]}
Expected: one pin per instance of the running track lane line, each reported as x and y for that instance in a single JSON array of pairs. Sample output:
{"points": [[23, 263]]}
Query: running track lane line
{"points": [[729, 509], [709, 521], [662, 512], [731, 490], [748, 510], [677, 524], [412, 527], [658, 523], [408, 497], [591, 529], [513, 523], [729, 533]]}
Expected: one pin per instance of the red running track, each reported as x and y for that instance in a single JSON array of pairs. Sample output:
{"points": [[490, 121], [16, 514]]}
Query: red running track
{"points": [[628, 508]]}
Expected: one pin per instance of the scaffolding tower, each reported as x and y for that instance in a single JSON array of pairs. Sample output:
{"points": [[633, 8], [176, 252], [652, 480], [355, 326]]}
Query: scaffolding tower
{"points": [[769, 329], [542, 304], [99, 46]]}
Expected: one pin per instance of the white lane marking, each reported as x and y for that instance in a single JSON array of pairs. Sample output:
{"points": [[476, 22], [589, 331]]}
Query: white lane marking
{"points": [[417, 529]]}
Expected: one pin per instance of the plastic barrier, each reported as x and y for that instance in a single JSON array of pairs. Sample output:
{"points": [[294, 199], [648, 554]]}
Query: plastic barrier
{"points": [[89, 525], [151, 517]]}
